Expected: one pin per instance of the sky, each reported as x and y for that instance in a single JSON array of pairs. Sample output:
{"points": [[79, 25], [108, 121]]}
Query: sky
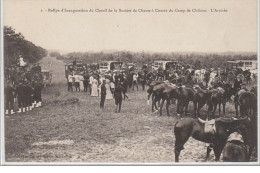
{"points": [[234, 30]]}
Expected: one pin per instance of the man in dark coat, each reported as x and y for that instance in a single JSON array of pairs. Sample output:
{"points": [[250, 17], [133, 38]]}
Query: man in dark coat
{"points": [[237, 84], [118, 96], [28, 89], [9, 98], [20, 92], [86, 82], [103, 94]]}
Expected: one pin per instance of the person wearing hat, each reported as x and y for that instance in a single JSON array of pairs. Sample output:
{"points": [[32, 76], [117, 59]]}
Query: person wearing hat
{"points": [[28, 90], [135, 77], [70, 81], [77, 82], [94, 87], [20, 92], [118, 96], [9, 98], [102, 94], [237, 84]]}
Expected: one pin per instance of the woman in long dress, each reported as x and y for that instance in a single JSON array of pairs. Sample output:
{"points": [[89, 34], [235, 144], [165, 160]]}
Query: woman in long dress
{"points": [[109, 95], [94, 91]]}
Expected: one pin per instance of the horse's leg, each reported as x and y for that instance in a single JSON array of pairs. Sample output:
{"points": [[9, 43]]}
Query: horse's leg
{"points": [[153, 103], [181, 137], [224, 107], [236, 107], [219, 109], [167, 106], [158, 102], [195, 103], [217, 150], [186, 107], [242, 110], [214, 109], [251, 148], [200, 105], [161, 106], [209, 149]]}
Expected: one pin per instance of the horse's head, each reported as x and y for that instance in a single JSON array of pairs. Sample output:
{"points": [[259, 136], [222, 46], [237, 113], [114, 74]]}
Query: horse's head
{"points": [[226, 126]]}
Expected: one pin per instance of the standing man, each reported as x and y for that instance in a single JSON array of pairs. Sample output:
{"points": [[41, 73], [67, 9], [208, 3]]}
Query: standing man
{"points": [[77, 82], [70, 80], [20, 92], [28, 89], [118, 97], [237, 84], [86, 82], [103, 94], [135, 77], [9, 98]]}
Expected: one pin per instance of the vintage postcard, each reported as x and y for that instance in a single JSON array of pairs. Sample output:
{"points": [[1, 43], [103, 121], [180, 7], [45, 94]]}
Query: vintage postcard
{"points": [[161, 82]]}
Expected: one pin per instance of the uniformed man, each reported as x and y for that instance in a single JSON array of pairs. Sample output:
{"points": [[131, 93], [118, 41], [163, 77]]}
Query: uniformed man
{"points": [[20, 92], [28, 89], [9, 98], [37, 94]]}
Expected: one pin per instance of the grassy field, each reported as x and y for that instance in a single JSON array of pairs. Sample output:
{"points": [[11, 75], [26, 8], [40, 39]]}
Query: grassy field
{"points": [[70, 127]]}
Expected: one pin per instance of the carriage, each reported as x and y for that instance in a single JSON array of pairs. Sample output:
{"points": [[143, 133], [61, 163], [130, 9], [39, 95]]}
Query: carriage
{"points": [[165, 65], [240, 68], [78, 68], [106, 66]]}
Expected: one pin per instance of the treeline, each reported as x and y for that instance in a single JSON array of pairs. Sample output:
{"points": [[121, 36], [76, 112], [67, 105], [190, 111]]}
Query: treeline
{"points": [[198, 60], [15, 45]]}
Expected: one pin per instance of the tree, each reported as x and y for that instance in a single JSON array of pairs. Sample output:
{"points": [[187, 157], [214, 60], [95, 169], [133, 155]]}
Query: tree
{"points": [[15, 46]]}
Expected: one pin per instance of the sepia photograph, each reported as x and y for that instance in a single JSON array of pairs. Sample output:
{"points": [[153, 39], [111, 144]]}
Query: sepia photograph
{"points": [[128, 82]]}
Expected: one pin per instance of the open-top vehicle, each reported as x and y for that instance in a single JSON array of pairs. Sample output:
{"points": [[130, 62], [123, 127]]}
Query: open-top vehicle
{"points": [[106, 66], [240, 68]]}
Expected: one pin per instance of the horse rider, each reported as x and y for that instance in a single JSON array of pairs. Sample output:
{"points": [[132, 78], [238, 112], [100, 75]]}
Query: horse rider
{"points": [[237, 84]]}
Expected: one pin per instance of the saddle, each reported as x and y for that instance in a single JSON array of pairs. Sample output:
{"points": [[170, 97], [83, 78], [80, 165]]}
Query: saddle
{"points": [[235, 137], [209, 127]]}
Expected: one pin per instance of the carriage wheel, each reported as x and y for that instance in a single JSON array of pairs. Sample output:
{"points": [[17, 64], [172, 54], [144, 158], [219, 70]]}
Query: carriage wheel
{"points": [[231, 76]]}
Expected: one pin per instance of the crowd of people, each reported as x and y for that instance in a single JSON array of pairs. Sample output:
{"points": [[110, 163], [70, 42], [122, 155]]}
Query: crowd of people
{"points": [[107, 86], [23, 85]]}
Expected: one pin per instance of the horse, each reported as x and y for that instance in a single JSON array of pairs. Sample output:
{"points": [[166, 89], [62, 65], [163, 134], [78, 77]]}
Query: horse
{"points": [[169, 93], [254, 89], [157, 94], [247, 101], [185, 96], [186, 127], [216, 97], [235, 149], [150, 89]]}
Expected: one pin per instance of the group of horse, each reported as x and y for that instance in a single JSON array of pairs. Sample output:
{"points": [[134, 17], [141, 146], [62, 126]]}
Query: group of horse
{"points": [[222, 128], [218, 95]]}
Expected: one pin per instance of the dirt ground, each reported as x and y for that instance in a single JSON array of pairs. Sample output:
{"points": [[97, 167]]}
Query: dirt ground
{"points": [[70, 127]]}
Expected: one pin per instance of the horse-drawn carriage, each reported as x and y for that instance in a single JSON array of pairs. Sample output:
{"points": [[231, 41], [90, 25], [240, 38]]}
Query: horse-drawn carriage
{"points": [[78, 68], [240, 68]]}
